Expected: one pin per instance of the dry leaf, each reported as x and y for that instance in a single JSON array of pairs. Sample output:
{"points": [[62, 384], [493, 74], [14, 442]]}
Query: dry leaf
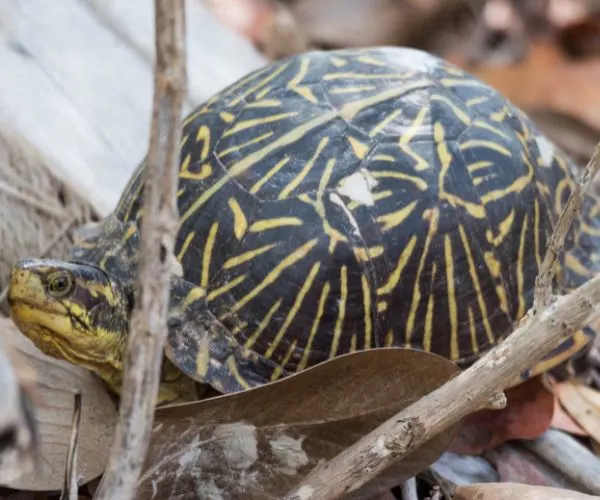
{"points": [[57, 383], [259, 443], [527, 415], [18, 433], [547, 80], [564, 422], [512, 491], [583, 404]]}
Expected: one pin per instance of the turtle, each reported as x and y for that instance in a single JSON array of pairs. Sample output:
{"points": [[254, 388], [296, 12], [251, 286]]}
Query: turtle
{"points": [[330, 202]]}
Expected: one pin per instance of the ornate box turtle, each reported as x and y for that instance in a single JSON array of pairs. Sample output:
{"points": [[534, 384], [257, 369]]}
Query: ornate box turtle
{"points": [[330, 202]]}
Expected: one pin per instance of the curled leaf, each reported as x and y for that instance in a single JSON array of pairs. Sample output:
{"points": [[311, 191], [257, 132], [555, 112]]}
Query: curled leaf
{"points": [[57, 382], [259, 443]]}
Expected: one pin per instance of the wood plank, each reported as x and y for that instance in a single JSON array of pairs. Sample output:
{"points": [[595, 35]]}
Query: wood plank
{"points": [[81, 91]]}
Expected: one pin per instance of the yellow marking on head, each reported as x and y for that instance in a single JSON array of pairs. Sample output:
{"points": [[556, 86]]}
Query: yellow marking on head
{"points": [[385, 122], [452, 305], [263, 324], [338, 62], [503, 230], [478, 165], [255, 88], [256, 157], [389, 339], [351, 109], [325, 177], [382, 306], [366, 254], [264, 103], [474, 101], [474, 143], [494, 268], [376, 197], [428, 334], [255, 122], [388, 174], [266, 224], [416, 298], [473, 331], [360, 149], [485, 125], [394, 219], [351, 90], [476, 285], [185, 246], [295, 182], [246, 256], [339, 324], [459, 113], [302, 90], [233, 369], [225, 288], [226, 116], [366, 289], [207, 255], [394, 278], [290, 260], [238, 147], [263, 180], [315, 327], [279, 368], [240, 224], [300, 295]]}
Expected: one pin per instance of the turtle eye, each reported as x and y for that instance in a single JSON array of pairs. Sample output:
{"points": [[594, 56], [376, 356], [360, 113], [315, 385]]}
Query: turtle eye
{"points": [[60, 284]]}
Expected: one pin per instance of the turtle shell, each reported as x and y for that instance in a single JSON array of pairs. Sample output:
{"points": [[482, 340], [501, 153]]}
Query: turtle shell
{"points": [[355, 199]]}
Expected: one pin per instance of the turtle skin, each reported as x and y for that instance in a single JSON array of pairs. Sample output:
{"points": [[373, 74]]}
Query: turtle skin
{"points": [[355, 199]]}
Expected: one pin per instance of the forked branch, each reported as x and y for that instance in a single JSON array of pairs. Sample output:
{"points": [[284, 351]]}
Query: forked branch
{"points": [[473, 389], [149, 318]]}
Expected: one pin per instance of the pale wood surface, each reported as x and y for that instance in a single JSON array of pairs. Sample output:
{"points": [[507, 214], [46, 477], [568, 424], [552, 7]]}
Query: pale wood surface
{"points": [[77, 81]]}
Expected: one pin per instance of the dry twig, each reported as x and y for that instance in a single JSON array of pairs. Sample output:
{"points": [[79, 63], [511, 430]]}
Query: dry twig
{"points": [[70, 486], [159, 224], [472, 390]]}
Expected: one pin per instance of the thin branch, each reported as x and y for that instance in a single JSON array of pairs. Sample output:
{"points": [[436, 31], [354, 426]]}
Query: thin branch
{"points": [[148, 322], [547, 271], [470, 391], [70, 487]]}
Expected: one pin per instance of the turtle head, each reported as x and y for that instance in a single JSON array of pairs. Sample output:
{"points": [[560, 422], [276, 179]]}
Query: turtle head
{"points": [[73, 311]]}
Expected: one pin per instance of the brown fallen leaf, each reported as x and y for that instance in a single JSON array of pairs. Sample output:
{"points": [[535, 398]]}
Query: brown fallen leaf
{"points": [[18, 432], [259, 443], [564, 422], [583, 404], [511, 491], [546, 80], [527, 415], [57, 382]]}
